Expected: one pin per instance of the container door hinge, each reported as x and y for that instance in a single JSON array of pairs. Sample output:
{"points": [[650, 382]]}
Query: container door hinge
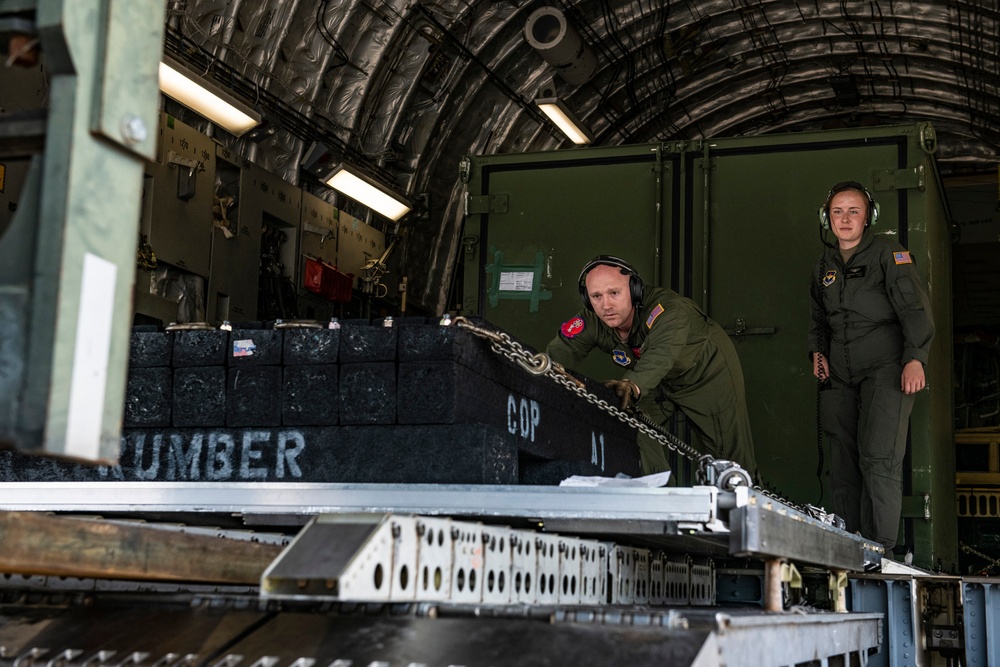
{"points": [[480, 204], [899, 179], [917, 507]]}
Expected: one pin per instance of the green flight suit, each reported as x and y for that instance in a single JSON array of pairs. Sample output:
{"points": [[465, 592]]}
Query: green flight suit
{"points": [[869, 318], [681, 360]]}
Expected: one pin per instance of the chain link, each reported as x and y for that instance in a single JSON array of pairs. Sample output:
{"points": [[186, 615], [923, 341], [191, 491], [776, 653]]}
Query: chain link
{"points": [[541, 364], [993, 562]]}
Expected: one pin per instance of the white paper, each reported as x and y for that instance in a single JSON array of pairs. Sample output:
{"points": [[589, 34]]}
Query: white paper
{"points": [[517, 281], [653, 481]]}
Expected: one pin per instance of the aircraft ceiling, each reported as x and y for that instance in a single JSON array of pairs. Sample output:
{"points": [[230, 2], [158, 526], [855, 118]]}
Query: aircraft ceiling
{"points": [[406, 87]]}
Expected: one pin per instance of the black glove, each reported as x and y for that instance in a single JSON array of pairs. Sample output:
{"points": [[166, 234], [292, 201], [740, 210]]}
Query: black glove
{"points": [[626, 390]]}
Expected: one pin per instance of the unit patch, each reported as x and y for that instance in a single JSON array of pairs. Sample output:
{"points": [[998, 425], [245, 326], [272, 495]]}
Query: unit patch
{"points": [[902, 257], [572, 328], [653, 314], [620, 357], [855, 272], [829, 278]]}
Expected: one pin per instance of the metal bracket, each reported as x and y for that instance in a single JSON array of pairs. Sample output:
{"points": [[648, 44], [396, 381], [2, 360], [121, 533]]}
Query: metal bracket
{"points": [[899, 179], [838, 586], [174, 158], [917, 507], [790, 575], [742, 330], [325, 232], [480, 204], [397, 558], [130, 36]]}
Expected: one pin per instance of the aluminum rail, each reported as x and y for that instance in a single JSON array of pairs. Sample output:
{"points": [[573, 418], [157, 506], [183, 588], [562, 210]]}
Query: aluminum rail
{"points": [[696, 504]]}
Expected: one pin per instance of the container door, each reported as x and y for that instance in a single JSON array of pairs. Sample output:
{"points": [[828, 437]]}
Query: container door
{"points": [[761, 239], [542, 221]]}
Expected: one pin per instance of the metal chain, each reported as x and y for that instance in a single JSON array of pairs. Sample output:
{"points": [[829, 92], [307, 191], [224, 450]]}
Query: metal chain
{"points": [[993, 562], [540, 364]]}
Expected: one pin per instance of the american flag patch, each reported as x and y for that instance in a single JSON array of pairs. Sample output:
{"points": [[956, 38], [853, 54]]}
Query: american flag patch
{"points": [[653, 314], [902, 257]]}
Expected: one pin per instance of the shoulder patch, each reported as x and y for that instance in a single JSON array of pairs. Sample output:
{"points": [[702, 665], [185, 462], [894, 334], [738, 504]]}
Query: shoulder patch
{"points": [[620, 357], [902, 257], [653, 314], [572, 328], [829, 278]]}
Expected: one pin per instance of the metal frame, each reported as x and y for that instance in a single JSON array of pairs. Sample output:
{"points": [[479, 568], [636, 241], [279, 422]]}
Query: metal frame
{"points": [[761, 526], [981, 611], [896, 599], [227, 632], [792, 640], [274, 500]]}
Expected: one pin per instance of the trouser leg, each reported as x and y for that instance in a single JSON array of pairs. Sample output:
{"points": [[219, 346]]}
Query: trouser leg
{"points": [[717, 408], [885, 413], [722, 430], [734, 440], [652, 458], [839, 415]]}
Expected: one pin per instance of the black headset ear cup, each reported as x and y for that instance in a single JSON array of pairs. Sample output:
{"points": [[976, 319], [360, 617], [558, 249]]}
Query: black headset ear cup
{"points": [[585, 297], [635, 284]]}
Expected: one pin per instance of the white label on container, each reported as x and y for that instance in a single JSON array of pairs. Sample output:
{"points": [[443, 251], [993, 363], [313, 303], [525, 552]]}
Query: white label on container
{"points": [[517, 281]]}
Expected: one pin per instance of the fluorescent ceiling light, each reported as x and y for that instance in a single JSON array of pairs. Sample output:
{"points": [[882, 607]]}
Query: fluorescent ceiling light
{"points": [[366, 191], [565, 120], [205, 99]]}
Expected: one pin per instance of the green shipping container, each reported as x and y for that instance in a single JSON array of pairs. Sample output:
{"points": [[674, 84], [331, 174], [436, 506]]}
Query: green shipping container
{"points": [[733, 224]]}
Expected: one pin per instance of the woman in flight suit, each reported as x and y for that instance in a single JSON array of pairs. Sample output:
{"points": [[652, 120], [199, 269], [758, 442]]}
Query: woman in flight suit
{"points": [[870, 335]]}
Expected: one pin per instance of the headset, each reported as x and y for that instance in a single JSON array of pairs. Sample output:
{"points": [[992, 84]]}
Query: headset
{"points": [[635, 283], [871, 216]]}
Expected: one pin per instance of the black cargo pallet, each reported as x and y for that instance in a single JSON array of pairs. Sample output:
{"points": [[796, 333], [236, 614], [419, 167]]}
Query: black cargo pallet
{"points": [[414, 402]]}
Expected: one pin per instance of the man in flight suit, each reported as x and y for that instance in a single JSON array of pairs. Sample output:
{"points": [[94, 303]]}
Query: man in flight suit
{"points": [[869, 339], [675, 358]]}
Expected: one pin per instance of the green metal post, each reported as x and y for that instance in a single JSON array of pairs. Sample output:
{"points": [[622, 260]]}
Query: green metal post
{"points": [[102, 58]]}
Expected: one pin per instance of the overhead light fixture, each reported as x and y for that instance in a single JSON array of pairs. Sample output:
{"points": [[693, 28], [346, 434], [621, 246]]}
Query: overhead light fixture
{"points": [[367, 191], [202, 97], [565, 120], [560, 45]]}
